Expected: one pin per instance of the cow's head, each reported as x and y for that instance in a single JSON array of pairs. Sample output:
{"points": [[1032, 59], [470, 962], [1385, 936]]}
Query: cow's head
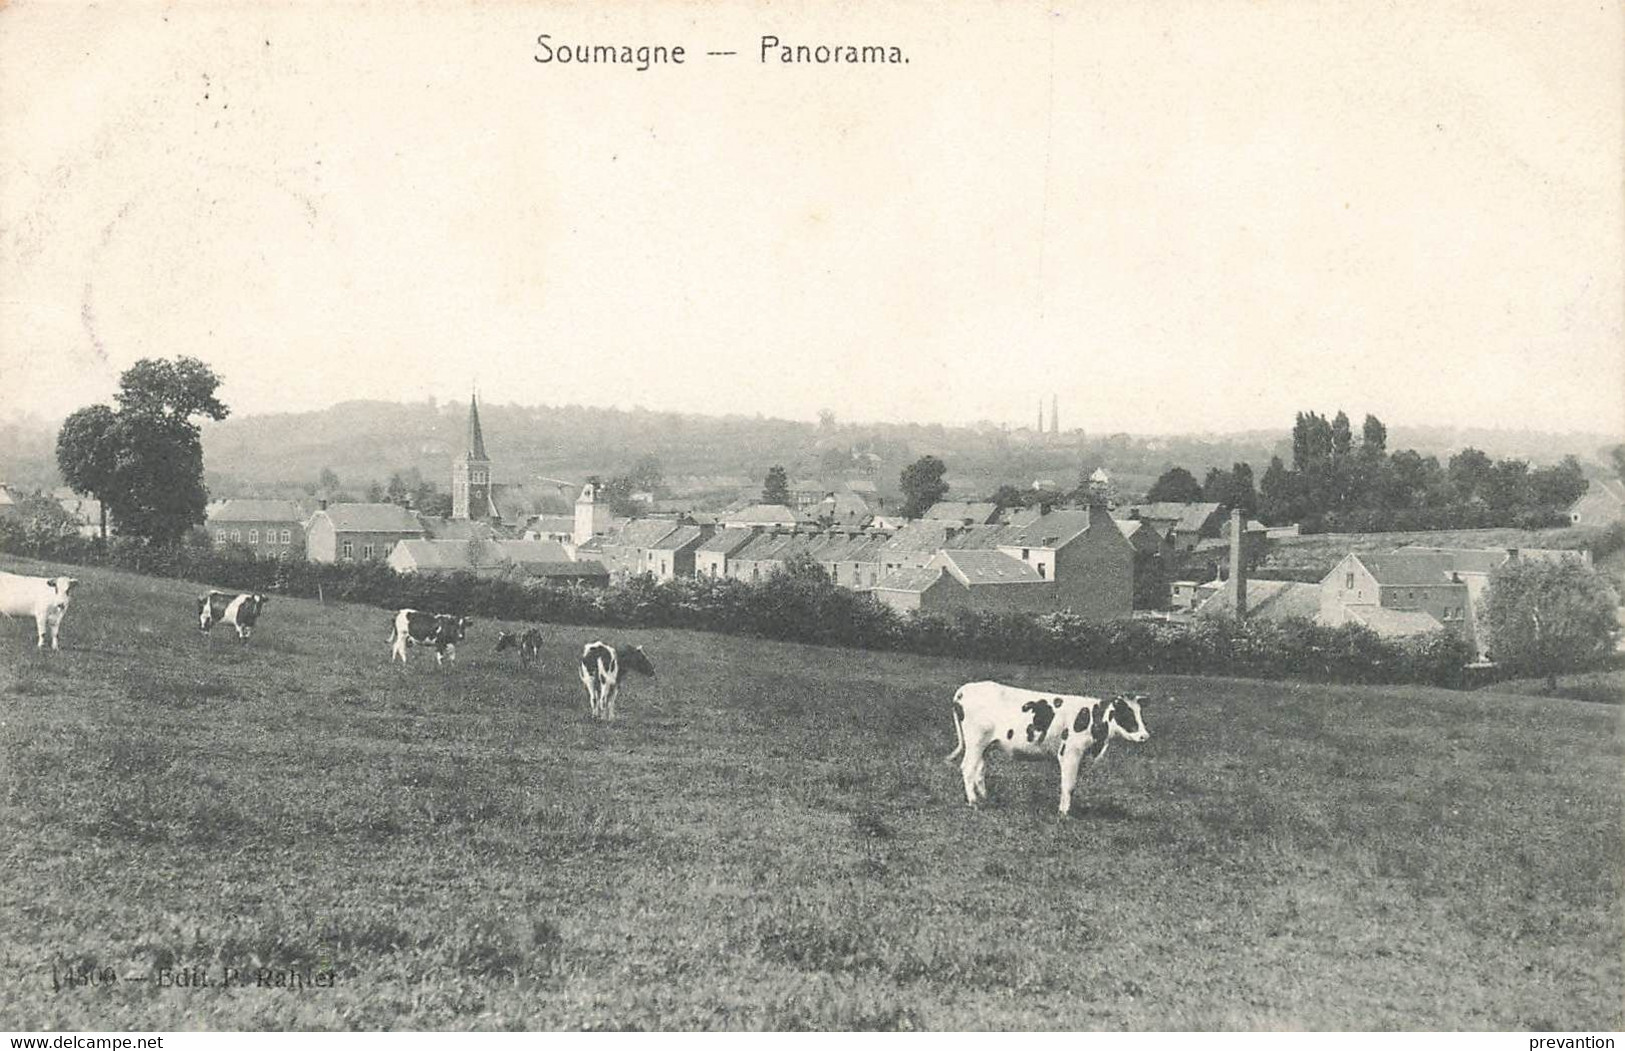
{"points": [[63, 585], [1124, 717], [256, 602], [506, 640], [634, 658]]}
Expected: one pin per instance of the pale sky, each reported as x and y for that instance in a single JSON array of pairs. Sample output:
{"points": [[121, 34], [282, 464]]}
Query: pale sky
{"points": [[1186, 216]]}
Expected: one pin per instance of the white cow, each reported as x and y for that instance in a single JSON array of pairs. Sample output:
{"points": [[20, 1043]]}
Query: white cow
{"points": [[601, 666], [1029, 724], [43, 598]]}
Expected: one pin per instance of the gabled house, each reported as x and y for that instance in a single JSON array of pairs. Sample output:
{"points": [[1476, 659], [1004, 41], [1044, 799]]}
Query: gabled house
{"points": [[1184, 524], [358, 532], [926, 590], [996, 580], [712, 554], [961, 512], [760, 516], [625, 551], [673, 554], [1603, 503]]}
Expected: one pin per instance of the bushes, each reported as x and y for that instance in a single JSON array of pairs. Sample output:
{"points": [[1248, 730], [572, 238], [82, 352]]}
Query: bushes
{"points": [[803, 606]]}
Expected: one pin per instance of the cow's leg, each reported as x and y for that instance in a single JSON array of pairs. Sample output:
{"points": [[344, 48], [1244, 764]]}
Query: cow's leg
{"points": [[398, 649], [972, 770], [1070, 758], [40, 620], [56, 630], [610, 690]]}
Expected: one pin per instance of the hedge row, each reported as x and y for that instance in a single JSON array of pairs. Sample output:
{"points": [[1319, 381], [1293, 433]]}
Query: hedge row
{"points": [[804, 606], [1431, 519]]}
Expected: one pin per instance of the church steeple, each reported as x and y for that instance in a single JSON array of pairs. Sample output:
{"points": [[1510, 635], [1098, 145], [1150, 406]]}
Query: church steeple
{"points": [[476, 437], [471, 474]]}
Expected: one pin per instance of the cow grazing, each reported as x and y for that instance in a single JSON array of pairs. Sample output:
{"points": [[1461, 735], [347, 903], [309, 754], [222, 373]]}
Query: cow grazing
{"points": [[43, 598], [528, 643], [1029, 724], [239, 611], [601, 667], [440, 630]]}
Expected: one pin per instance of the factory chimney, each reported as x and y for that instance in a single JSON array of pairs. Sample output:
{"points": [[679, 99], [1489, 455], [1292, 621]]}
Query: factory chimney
{"points": [[1055, 414], [1238, 565]]}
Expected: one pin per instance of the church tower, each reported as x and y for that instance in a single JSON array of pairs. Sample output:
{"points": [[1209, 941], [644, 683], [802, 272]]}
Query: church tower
{"points": [[471, 475]]}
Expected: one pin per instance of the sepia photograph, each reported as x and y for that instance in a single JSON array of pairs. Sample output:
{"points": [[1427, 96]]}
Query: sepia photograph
{"points": [[1071, 515]]}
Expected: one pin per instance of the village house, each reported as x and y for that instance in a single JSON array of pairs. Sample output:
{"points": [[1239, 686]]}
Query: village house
{"points": [[1185, 525], [673, 555], [270, 528], [625, 552], [84, 511], [994, 580], [1415, 590], [766, 553], [760, 516], [551, 527], [924, 590], [1602, 504], [358, 532], [960, 512], [712, 554]]}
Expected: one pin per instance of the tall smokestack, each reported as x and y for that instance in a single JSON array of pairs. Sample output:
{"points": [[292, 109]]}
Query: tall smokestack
{"points": [[1238, 565], [1040, 415], [1055, 414]]}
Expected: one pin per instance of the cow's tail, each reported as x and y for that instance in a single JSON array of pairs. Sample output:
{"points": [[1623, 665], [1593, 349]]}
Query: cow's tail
{"points": [[959, 732]]}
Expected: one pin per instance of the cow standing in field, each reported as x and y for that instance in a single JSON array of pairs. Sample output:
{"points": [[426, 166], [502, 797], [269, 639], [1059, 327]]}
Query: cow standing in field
{"points": [[43, 598], [601, 667], [1028, 724], [529, 644], [440, 630], [238, 611]]}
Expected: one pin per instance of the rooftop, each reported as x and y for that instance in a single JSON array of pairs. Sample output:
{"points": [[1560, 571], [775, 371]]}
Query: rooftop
{"points": [[371, 518], [241, 510]]}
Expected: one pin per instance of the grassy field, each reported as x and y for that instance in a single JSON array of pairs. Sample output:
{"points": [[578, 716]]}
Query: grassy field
{"points": [[769, 838]]}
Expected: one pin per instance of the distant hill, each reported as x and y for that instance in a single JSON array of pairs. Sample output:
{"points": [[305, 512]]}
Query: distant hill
{"points": [[367, 441]]}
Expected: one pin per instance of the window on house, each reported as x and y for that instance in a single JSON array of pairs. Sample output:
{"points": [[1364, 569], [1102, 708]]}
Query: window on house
{"points": [[1348, 582], [253, 536], [1041, 568], [366, 550], [236, 534], [348, 550], [1025, 552], [287, 536]]}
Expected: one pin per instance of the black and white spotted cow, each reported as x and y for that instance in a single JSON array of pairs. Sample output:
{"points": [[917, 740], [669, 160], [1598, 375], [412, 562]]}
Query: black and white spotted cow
{"points": [[239, 611], [528, 643], [440, 630], [601, 667], [43, 598], [1029, 724]]}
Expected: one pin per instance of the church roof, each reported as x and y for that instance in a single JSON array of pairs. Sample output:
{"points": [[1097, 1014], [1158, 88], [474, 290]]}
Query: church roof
{"points": [[476, 437]]}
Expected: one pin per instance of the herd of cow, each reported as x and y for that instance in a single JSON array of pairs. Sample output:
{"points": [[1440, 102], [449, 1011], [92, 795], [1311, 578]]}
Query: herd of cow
{"points": [[988, 716]]}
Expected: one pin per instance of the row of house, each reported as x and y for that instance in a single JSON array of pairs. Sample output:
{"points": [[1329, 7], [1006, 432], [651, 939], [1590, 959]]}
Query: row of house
{"points": [[1413, 590]]}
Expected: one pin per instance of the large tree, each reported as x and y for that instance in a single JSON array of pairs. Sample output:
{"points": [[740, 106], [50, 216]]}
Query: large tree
{"points": [[1176, 486], [1548, 617], [923, 485], [776, 486], [144, 460], [87, 455]]}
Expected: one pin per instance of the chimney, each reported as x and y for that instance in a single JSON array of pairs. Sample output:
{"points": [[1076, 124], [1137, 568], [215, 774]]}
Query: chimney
{"points": [[1055, 414], [1512, 554], [1238, 565], [322, 504]]}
